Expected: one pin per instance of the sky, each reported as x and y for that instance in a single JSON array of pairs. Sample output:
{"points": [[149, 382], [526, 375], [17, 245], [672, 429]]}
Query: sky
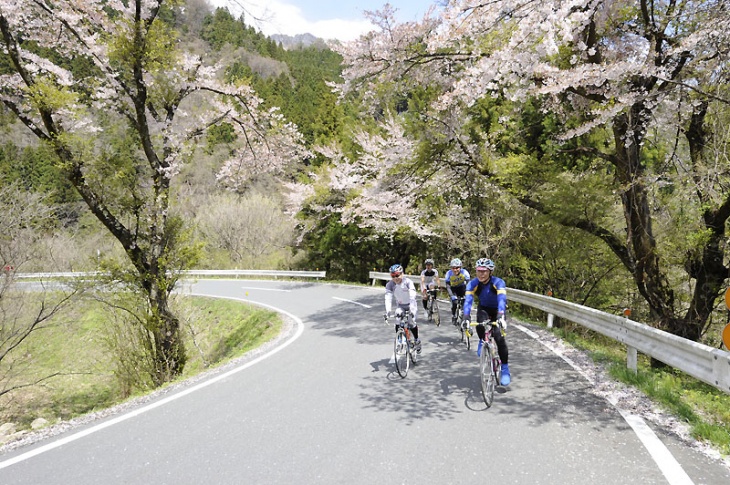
{"points": [[327, 19]]}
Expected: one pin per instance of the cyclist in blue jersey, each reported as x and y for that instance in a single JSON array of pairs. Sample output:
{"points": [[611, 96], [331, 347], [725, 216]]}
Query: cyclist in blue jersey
{"points": [[491, 292], [404, 292], [429, 281], [455, 280]]}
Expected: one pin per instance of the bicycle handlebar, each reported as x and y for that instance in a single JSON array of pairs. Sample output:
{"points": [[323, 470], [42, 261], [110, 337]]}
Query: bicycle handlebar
{"points": [[403, 316], [493, 323]]}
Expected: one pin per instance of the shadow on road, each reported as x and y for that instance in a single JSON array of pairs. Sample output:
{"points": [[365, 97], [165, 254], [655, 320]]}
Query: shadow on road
{"points": [[445, 381]]}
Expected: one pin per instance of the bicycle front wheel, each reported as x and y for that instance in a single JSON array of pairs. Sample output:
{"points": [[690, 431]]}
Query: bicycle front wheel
{"points": [[435, 310], [401, 353], [412, 350], [486, 374], [496, 364]]}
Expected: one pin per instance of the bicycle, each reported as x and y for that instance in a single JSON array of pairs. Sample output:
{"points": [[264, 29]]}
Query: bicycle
{"points": [[463, 331], [490, 365], [404, 346], [432, 307]]}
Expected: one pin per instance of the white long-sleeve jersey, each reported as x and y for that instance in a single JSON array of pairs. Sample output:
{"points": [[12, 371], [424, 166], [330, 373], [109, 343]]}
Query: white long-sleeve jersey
{"points": [[404, 294]]}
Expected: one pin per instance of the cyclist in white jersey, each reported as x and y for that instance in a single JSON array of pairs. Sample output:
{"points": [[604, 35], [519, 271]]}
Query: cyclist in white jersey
{"points": [[429, 281], [404, 292]]}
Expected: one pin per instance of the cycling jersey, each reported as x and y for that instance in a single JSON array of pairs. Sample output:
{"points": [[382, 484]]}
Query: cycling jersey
{"points": [[404, 294], [456, 279], [456, 284], [492, 294], [428, 277]]}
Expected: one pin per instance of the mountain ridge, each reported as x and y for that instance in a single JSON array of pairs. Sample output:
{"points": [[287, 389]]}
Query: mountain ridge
{"points": [[298, 40]]}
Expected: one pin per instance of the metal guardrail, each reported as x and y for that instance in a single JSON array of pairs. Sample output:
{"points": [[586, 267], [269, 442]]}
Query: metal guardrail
{"points": [[375, 276], [197, 272], [68, 274], [255, 272], [702, 362]]}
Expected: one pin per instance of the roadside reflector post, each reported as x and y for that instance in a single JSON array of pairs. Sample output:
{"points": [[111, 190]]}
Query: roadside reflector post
{"points": [[550, 316]]}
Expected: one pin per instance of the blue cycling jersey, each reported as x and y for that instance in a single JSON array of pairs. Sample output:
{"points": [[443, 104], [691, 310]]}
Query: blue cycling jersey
{"points": [[491, 294]]}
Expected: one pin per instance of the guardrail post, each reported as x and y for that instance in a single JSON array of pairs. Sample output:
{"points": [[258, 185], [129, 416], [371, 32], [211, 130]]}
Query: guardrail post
{"points": [[632, 358], [550, 316], [632, 355], [721, 371]]}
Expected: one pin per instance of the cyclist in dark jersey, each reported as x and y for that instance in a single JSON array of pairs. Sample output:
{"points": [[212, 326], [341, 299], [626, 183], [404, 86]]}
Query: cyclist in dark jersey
{"points": [[491, 292]]}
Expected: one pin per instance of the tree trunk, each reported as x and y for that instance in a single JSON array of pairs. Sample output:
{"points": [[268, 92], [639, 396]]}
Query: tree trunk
{"points": [[705, 266], [169, 350], [643, 261]]}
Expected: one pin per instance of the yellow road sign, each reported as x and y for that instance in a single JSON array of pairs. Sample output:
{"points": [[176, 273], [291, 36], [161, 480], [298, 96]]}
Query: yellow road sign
{"points": [[726, 336]]}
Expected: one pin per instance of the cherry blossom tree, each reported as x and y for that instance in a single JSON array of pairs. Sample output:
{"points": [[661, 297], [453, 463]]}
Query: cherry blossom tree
{"points": [[623, 97], [383, 200], [108, 85]]}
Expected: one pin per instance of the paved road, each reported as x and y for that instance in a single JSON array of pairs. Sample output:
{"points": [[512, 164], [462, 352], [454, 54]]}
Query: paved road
{"points": [[328, 408]]}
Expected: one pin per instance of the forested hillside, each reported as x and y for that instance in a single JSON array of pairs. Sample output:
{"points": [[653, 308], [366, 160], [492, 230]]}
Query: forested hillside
{"points": [[293, 80]]}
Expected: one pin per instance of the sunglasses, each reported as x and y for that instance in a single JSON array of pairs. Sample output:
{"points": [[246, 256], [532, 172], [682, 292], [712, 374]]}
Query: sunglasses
{"points": [[456, 267], [395, 275]]}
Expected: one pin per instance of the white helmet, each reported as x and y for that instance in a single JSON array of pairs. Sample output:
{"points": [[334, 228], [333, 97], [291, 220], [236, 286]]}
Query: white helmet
{"points": [[484, 263]]}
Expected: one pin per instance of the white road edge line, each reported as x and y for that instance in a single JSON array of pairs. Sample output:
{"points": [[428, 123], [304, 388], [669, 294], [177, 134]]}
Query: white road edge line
{"points": [[161, 402], [264, 289], [668, 465], [350, 301], [672, 470]]}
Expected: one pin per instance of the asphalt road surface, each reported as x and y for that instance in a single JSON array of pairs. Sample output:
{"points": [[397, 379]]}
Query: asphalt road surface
{"points": [[324, 405]]}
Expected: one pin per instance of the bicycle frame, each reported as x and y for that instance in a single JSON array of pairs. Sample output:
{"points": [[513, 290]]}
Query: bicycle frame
{"points": [[432, 309], [460, 309], [404, 346], [496, 360], [465, 333], [490, 364]]}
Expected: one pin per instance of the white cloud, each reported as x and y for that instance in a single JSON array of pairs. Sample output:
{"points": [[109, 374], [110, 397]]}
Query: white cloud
{"points": [[276, 17]]}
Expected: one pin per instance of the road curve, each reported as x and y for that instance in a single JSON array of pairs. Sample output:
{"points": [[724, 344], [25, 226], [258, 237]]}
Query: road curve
{"points": [[325, 406]]}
